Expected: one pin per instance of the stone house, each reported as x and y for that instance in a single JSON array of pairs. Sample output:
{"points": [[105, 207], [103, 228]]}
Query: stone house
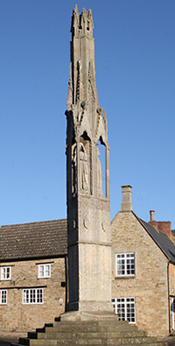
{"points": [[143, 270], [33, 261]]}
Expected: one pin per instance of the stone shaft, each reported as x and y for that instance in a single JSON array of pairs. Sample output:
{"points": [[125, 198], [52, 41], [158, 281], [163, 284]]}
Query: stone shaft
{"points": [[88, 203]]}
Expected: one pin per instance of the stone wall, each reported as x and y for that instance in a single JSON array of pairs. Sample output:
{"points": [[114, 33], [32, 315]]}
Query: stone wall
{"points": [[172, 279], [149, 285], [172, 293], [16, 316]]}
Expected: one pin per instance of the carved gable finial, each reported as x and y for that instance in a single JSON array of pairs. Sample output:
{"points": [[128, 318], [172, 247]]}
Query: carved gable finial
{"points": [[84, 13], [75, 21], [90, 18], [75, 9]]}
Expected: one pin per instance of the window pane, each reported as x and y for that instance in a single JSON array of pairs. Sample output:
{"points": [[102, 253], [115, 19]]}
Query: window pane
{"points": [[125, 308], [8, 273], [125, 264], [27, 296], [3, 297], [120, 267], [2, 273], [24, 296], [41, 271], [33, 296], [40, 296], [47, 269], [121, 312], [44, 270], [37, 296], [5, 273]]}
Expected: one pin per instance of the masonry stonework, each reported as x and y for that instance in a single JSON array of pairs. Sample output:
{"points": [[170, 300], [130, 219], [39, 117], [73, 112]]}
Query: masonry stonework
{"points": [[16, 316], [149, 285]]}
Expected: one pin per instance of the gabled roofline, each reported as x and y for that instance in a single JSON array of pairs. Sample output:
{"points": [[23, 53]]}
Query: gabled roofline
{"points": [[31, 223], [34, 258], [160, 247]]}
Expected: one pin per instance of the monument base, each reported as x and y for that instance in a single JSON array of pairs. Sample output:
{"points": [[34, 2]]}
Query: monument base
{"points": [[91, 306], [88, 316]]}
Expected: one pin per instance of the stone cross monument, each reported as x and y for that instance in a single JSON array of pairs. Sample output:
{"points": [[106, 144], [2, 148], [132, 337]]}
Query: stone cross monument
{"points": [[88, 207]]}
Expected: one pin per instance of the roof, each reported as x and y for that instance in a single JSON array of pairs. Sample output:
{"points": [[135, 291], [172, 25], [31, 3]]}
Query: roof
{"points": [[33, 240], [161, 239], [49, 239]]}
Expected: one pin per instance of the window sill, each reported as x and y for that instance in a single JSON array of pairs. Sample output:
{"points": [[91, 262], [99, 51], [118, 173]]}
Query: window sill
{"points": [[5, 279], [125, 277]]}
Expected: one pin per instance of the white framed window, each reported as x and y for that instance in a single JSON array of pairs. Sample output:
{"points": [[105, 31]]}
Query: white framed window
{"points": [[3, 296], [125, 264], [44, 270], [33, 296], [125, 309], [5, 273]]}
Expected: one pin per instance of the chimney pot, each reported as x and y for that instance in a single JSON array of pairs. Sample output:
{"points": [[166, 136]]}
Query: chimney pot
{"points": [[152, 212]]}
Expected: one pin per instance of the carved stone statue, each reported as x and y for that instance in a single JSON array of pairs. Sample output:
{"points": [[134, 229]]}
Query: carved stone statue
{"points": [[74, 169], [99, 172], [69, 94], [83, 167]]}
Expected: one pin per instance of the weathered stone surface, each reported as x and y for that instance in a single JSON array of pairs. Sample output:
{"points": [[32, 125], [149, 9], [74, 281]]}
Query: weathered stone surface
{"points": [[88, 316], [109, 332]]}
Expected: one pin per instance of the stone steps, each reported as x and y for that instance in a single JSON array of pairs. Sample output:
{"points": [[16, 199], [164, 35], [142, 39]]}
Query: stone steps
{"points": [[90, 341], [90, 333], [100, 326], [96, 343]]}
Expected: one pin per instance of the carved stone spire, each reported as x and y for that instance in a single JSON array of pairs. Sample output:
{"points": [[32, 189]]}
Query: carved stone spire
{"points": [[88, 204], [82, 71]]}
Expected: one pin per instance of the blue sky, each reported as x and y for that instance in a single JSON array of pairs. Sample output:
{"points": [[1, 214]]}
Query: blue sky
{"points": [[135, 74]]}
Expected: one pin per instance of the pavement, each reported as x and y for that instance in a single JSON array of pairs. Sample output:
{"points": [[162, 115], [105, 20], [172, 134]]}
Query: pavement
{"points": [[170, 340], [7, 337]]}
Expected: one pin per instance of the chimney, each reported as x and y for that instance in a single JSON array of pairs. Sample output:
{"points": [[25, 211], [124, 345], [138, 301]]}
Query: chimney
{"points": [[152, 221], [126, 198], [161, 226]]}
